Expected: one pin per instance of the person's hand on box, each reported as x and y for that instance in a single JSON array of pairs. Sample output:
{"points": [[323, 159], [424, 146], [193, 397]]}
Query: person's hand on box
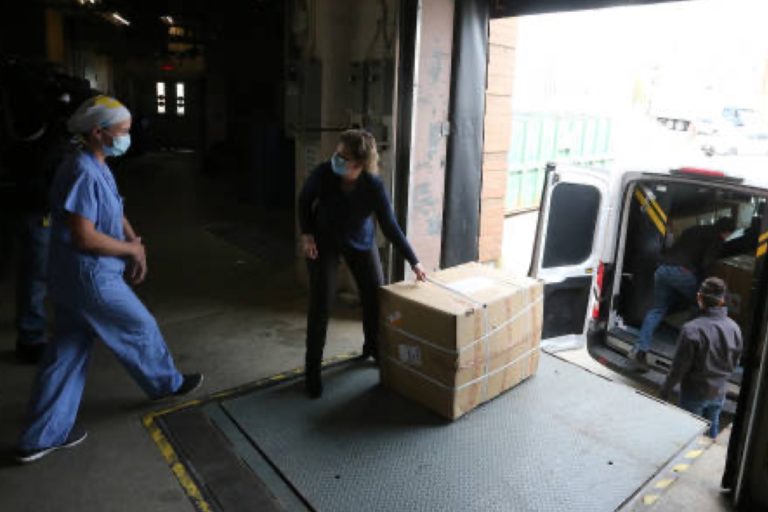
{"points": [[421, 274], [309, 246]]}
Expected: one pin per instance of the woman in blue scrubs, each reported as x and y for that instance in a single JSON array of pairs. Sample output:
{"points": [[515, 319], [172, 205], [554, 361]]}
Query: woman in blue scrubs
{"points": [[94, 250]]}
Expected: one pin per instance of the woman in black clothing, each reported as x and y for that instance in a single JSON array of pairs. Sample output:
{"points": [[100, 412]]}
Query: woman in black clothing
{"points": [[336, 208]]}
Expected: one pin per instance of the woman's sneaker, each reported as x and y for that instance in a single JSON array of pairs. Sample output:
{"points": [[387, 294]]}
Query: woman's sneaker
{"points": [[76, 436], [190, 383]]}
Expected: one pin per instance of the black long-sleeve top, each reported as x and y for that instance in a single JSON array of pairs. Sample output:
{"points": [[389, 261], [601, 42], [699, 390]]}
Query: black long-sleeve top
{"points": [[345, 218], [697, 249]]}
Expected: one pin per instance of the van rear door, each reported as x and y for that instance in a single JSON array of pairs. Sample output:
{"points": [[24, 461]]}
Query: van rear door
{"points": [[573, 218]]}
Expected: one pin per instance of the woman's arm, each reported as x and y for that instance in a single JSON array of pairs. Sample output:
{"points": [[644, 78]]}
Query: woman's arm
{"points": [[138, 269], [392, 231], [309, 193], [128, 231], [86, 238]]}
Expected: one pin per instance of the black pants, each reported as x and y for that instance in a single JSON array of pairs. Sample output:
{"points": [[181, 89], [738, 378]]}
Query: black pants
{"points": [[366, 269]]}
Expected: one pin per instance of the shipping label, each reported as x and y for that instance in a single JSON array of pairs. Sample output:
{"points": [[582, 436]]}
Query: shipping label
{"points": [[410, 354]]}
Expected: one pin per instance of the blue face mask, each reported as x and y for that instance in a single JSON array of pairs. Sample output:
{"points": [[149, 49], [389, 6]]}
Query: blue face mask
{"points": [[120, 145], [339, 164]]}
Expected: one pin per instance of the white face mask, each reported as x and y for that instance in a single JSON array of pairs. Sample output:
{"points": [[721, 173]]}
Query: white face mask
{"points": [[120, 145], [339, 164]]}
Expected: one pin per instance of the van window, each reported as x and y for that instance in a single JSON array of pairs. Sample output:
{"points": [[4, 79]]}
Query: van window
{"points": [[571, 225]]}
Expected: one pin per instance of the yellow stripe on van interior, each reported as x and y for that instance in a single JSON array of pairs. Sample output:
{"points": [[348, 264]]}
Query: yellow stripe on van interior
{"points": [[651, 211]]}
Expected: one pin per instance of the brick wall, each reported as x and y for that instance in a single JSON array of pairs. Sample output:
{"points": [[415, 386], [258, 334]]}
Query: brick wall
{"points": [[498, 126]]}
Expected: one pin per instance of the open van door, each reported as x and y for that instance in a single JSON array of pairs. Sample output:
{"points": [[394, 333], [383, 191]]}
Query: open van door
{"points": [[566, 255]]}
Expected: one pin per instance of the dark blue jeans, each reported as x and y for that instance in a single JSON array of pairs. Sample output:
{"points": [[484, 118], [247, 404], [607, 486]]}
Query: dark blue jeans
{"points": [[671, 285], [707, 409], [34, 237]]}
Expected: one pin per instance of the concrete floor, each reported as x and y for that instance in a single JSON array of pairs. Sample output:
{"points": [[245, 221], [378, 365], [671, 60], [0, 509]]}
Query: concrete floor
{"points": [[224, 312]]}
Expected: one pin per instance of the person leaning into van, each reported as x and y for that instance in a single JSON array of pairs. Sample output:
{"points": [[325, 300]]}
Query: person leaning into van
{"points": [[336, 208], [708, 350], [678, 277]]}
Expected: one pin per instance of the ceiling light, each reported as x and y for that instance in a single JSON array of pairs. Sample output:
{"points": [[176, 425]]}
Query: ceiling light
{"points": [[116, 16], [168, 20]]}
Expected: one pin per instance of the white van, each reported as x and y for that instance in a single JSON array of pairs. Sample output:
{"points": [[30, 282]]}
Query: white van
{"points": [[600, 236]]}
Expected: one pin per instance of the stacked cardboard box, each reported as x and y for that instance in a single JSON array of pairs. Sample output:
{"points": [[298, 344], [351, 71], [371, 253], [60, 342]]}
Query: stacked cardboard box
{"points": [[737, 272], [460, 339]]}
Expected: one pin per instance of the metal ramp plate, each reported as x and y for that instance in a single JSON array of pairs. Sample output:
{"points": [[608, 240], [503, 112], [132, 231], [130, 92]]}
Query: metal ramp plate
{"points": [[565, 439]]}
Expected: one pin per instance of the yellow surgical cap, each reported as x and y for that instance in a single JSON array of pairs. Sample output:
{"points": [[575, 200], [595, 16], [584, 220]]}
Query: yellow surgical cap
{"points": [[99, 111]]}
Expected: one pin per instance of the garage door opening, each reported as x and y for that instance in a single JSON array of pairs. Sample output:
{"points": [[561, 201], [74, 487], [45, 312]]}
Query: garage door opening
{"points": [[677, 84], [672, 81]]}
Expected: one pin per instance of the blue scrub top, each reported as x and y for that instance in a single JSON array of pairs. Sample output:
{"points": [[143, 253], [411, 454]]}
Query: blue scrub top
{"points": [[86, 187]]}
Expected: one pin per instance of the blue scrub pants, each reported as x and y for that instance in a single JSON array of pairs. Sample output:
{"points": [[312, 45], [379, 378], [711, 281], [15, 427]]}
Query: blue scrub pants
{"points": [[111, 311]]}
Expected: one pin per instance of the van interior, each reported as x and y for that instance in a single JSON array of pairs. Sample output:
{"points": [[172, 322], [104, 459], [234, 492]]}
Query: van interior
{"points": [[656, 212]]}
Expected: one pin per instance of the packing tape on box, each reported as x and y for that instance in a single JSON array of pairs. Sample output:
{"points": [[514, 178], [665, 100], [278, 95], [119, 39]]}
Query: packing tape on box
{"points": [[486, 324], [484, 378], [474, 342], [487, 333]]}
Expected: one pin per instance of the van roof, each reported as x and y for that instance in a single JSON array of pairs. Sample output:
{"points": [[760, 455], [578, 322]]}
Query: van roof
{"points": [[750, 171]]}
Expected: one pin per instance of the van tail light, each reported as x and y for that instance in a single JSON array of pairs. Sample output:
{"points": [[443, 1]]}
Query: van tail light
{"points": [[598, 290]]}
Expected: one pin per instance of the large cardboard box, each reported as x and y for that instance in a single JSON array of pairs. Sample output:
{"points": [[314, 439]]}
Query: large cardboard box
{"points": [[737, 272], [460, 339]]}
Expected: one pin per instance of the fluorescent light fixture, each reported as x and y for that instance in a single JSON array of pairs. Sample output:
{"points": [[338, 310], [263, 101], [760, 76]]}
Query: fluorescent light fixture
{"points": [[180, 100], [116, 16], [168, 20], [160, 87]]}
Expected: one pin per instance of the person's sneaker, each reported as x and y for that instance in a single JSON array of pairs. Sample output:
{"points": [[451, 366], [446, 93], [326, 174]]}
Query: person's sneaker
{"points": [[639, 360], [190, 383], [76, 436], [313, 382]]}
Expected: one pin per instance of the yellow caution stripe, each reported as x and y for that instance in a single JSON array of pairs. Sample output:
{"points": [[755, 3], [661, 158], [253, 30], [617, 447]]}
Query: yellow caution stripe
{"points": [[656, 206], [650, 499], [166, 448], [762, 248], [652, 212], [172, 459], [693, 454], [655, 491]]}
